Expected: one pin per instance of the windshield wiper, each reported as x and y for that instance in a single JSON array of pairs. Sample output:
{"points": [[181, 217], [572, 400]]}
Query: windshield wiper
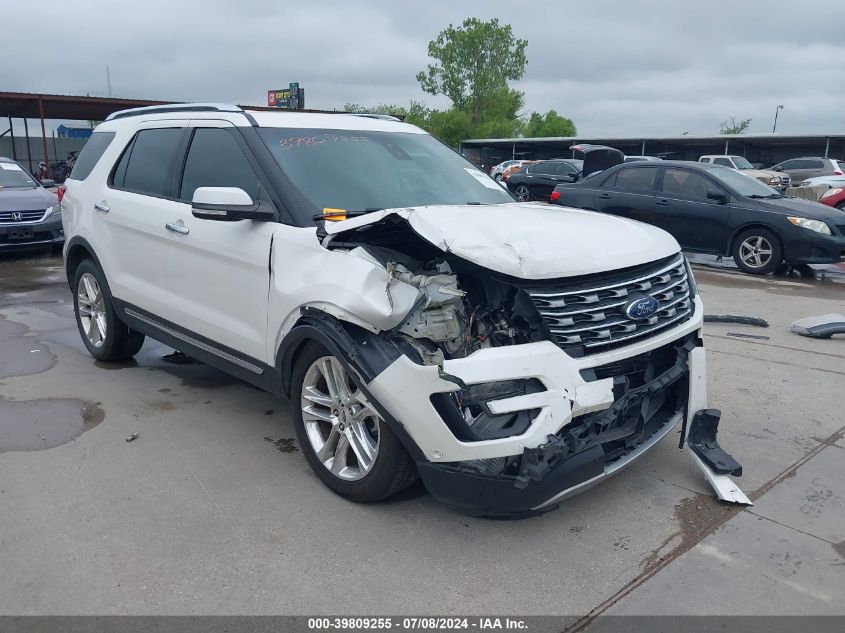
{"points": [[771, 195], [349, 214]]}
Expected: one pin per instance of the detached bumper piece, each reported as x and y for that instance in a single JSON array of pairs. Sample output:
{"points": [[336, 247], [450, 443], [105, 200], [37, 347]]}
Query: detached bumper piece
{"points": [[715, 463]]}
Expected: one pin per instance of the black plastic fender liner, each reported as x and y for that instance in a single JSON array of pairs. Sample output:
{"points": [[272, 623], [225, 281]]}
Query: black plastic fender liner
{"points": [[702, 441], [367, 354]]}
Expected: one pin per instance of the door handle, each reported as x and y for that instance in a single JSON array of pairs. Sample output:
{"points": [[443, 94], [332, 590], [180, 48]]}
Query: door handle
{"points": [[101, 206], [663, 202], [604, 196], [177, 227]]}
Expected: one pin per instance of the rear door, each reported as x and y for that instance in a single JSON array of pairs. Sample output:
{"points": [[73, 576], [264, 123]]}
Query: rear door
{"points": [[685, 211], [541, 179], [131, 210], [218, 272], [629, 192]]}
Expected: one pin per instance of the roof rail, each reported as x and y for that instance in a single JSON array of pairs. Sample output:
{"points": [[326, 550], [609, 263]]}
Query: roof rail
{"points": [[174, 107], [386, 117]]}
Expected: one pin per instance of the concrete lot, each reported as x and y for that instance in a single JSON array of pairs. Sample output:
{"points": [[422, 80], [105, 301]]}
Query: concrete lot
{"points": [[213, 510]]}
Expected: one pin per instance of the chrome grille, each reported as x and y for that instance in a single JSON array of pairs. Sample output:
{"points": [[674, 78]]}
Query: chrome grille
{"points": [[11, 217], [786, 180], [592, 319]]}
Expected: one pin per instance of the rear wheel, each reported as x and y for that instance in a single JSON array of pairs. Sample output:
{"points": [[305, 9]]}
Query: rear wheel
{"points": [[757, 251], [105, 336], [522, 193], [346, 442]]}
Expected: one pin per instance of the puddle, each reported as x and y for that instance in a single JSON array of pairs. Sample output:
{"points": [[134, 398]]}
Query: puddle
{"points": [[22, 355], [283, 444], [35, 425]]}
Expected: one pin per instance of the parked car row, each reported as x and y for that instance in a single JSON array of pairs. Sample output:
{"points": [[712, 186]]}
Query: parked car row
{"points": [[715, 209]]}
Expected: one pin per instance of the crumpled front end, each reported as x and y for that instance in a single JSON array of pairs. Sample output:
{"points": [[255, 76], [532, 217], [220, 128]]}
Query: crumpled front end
{"points": [[513, 392]]}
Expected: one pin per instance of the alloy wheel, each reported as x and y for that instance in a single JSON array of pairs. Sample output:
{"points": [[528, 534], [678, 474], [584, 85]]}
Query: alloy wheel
{"points": [[522, 193], [341, 425], [755, 251], [92, 310]]}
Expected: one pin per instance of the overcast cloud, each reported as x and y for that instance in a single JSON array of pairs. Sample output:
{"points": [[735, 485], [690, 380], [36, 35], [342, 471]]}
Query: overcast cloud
{"points": [[616, 68]]}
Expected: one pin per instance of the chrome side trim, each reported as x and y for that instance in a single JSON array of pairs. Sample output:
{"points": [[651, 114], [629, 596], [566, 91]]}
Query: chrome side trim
{"points": [[189, 339], [618, 465]]}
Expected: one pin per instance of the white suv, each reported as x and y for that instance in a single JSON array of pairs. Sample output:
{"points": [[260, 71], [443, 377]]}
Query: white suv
{"points": [[421, 321]]}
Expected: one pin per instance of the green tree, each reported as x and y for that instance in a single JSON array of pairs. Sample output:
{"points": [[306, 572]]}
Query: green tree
{"points": [[473, 63], [732, 126], [415, 113], [549, 124]]}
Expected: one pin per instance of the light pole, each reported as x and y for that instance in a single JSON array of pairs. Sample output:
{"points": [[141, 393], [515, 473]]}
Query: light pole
{"points": [[779, 108]]}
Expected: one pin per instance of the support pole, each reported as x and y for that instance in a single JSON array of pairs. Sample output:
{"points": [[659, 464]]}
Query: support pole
{"points": [[12, 130], [44, 137], [726, 147], [642, 150], [513, 151], [28, 148], [826, 146]]}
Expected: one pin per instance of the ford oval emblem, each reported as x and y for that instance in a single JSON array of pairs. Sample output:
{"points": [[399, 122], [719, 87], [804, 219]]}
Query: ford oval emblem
{"points": [[641, 307]]}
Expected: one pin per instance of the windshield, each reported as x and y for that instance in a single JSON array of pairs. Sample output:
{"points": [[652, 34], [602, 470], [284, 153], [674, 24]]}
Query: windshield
{"points": [[13, 176], [742, 163], [357, 170], [742, 184]]}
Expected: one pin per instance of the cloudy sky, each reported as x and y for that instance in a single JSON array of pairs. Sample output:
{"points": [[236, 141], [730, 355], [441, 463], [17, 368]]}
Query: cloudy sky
{"points": [[616, 67]]}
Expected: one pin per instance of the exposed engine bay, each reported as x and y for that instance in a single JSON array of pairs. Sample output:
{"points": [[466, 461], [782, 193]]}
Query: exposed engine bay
{"points": [[461, 308]]}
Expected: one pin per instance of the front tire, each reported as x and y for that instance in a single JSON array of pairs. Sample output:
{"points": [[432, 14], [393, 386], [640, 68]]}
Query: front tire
{"points": [[105, 336], [522, 193], [346, 442], [757, 251]]}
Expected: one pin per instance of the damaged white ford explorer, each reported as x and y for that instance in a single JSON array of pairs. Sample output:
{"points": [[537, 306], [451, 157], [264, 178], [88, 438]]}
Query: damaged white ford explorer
{"points": [[422, 322]]}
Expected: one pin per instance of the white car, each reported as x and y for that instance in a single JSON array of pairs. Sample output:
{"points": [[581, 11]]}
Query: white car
{"points": [[830, 181], [421, 321], [498, 171]]}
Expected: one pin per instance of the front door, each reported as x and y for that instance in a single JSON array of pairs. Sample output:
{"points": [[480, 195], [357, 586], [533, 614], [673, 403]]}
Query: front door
{"points": [[218, 272], [698, 222]]}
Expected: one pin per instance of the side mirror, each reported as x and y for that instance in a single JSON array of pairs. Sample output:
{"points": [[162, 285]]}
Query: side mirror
{"points": [[228, 203], [718, 196], [46, 182]]}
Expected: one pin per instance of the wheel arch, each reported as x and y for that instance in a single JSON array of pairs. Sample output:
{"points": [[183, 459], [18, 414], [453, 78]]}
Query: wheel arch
{"points": [[77, 251], [728, 250], [365, 352]]}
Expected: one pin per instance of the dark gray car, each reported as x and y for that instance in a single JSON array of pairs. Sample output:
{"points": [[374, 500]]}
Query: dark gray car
{"points": [[30, 215]]}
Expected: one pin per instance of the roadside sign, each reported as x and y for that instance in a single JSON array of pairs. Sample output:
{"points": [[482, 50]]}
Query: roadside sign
{"points": [[290, 98]]}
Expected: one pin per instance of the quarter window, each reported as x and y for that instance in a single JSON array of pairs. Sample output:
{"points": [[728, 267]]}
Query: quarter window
{"points": [[723, 161], [145, 166], [636, 179], [216, 160], [90, 154]]}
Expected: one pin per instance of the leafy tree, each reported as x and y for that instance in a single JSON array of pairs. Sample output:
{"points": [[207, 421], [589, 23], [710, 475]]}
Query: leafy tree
{"points": [[549, 124], [732, 126], [473, 63], [415, 113]]}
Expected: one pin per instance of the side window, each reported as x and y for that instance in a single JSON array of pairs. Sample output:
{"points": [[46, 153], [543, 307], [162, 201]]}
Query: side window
{"points": [[790, 164], [90, 154], [815, 164], [703, 159], [145, 166], [723, 161], [565, 169], [685, 184], [216, 160], [545, 169], [636, 179]]}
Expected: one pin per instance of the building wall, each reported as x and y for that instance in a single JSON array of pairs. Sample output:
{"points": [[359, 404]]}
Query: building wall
{"points": [[57, 149]]}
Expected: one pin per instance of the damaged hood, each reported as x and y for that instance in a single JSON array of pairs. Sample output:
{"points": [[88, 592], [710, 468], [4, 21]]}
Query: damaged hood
{"points": [[528, 240]]}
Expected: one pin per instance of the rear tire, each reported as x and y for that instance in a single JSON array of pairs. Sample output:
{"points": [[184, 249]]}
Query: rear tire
{"points": [[522, 193], [347, 444], [757, 251], [104, 335]]}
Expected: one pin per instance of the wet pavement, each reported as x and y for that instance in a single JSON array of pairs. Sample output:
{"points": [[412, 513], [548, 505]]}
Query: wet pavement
{"points": [[212, 508]]}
